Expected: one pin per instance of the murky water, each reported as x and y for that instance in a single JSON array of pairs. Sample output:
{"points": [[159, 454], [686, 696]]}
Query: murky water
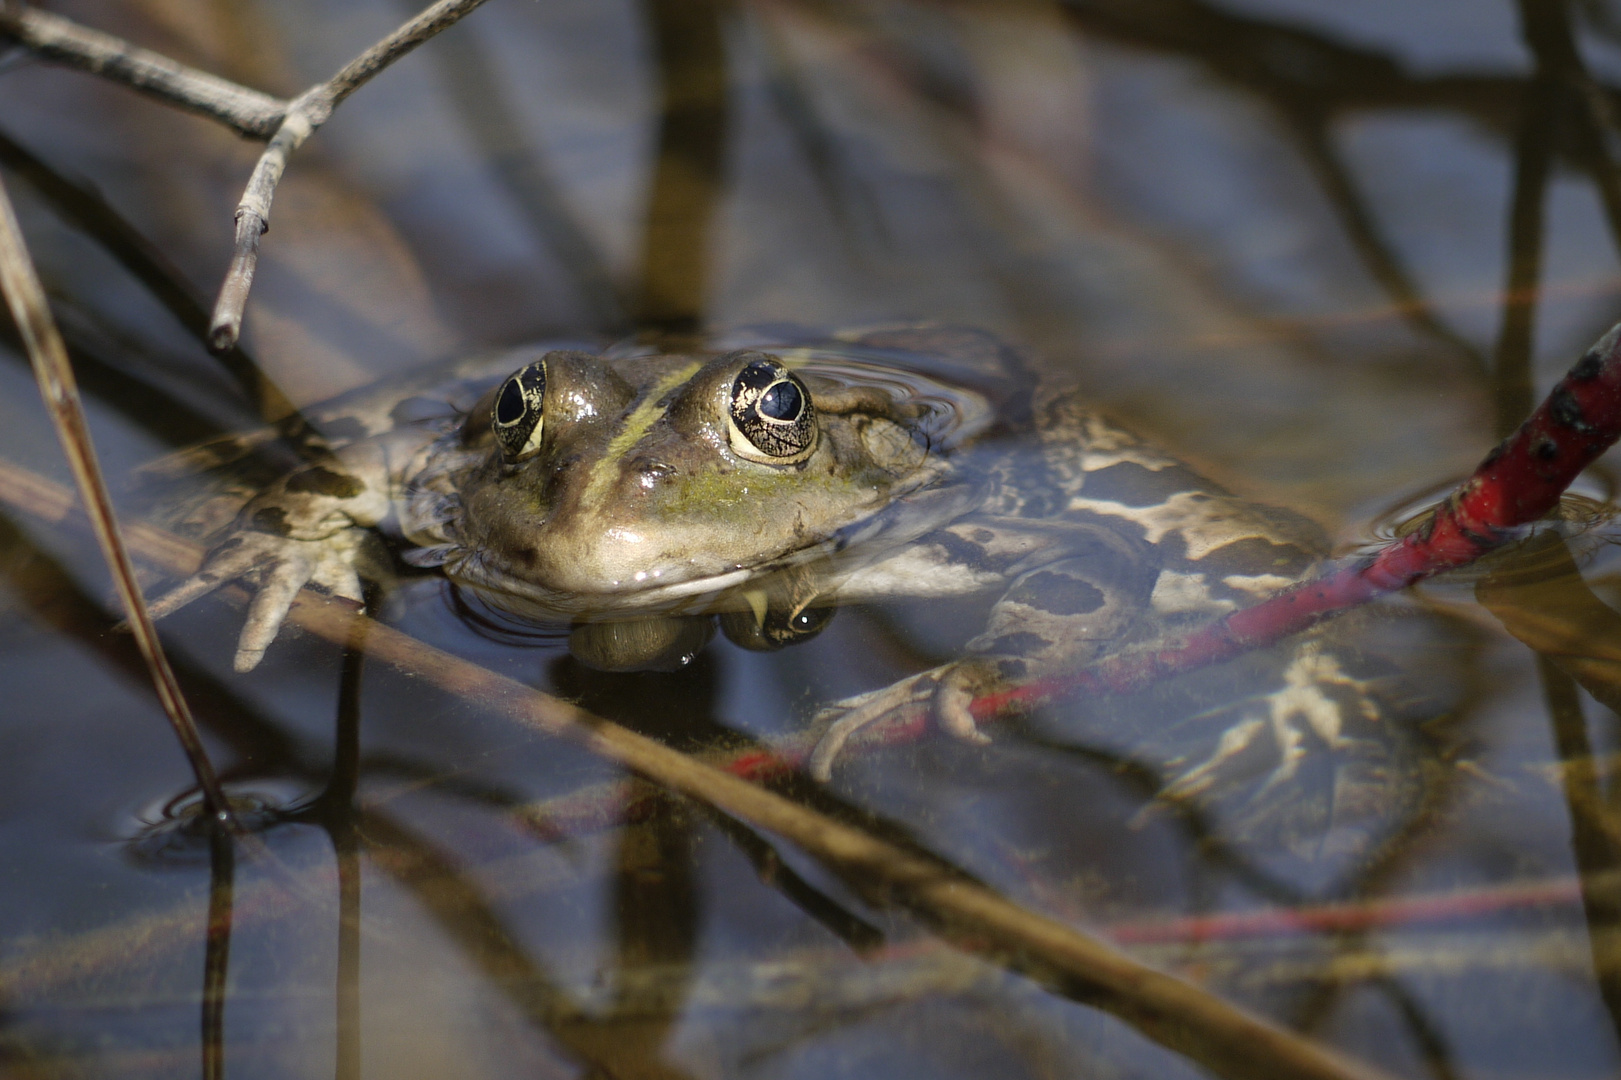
{"points": [[1277, 235]]}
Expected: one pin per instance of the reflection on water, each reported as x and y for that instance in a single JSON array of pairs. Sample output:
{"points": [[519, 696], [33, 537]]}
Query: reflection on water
{"points": [[1324, 254]]}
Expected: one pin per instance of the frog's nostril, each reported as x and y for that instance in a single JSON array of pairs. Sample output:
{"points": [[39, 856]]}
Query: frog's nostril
{"points": [[650, 470]]}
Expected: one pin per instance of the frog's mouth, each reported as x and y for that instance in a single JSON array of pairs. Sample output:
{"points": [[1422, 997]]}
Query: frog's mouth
{"points": [[830, 560]]}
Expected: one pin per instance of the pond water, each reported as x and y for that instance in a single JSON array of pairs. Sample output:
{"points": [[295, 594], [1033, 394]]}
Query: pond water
{"points": [[1327, 254]]}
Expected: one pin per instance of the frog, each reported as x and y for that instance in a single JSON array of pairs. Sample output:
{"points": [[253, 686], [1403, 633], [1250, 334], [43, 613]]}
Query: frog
{"points": [[758, 481]]}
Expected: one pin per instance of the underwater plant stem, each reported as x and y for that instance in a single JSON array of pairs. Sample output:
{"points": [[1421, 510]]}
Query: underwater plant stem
{"points": [[26, 299], [304, 114], [248, 112], [217, 952], [1546, 28], [1177, 1014]]}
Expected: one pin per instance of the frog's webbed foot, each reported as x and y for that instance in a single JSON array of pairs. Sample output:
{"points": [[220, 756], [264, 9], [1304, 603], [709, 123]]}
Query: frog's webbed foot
{"points": [[944, 693], [1259, 764], [1317, 697], [281, 566]]}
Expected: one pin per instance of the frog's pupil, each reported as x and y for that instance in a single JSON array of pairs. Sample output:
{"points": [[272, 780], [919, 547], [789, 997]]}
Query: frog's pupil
{"points": [[781, 402], [509, 408]]}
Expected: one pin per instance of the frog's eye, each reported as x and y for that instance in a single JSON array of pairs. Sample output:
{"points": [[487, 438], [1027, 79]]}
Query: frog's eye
{"points": [[772, 418], [516, 416]]}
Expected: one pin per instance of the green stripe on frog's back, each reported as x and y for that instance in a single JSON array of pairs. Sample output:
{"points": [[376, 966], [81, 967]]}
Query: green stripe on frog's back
{"points": [[637, 424]]}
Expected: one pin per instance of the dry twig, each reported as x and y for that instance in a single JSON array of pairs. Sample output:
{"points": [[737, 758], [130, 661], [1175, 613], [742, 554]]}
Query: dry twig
{"points": [[26, 298], [54, 38], [1220, 1036], [305, 113], [285, 123]]}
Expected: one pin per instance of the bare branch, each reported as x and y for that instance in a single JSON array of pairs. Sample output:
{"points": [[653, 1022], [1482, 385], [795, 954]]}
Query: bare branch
{"points": [[253, 215], [307, 112], [430, 21], [1220, 1036], [286, 124], [54, 38], [26, 298], [79, 205]]}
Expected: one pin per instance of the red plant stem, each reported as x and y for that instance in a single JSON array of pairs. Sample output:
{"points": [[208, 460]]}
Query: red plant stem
{"points": [[1347, 918], [1520, 481]]}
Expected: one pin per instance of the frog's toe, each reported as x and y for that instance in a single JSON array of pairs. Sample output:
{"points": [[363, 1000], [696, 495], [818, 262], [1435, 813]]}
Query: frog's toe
{"points": [[946, 694], [227, 562], [277, 589], [199, 584], [827, 748], [901, 701], [281, 566], [953, 704], [1235, 741], [328, 564], [338, 577]]}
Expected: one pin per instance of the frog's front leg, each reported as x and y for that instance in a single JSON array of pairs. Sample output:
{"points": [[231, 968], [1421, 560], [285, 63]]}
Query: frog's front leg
{"points": [[307, 528], [1056, 616]]}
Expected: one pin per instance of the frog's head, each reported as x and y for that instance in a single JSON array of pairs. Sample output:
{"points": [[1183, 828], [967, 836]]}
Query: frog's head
{"points": [[639, 484]]}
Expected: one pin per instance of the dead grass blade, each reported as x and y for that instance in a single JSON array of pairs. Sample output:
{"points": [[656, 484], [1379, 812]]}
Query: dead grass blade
{"points": [[26, 298]]}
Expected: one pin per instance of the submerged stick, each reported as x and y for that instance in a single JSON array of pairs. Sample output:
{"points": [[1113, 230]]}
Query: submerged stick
{"points": [[1220, 1036], [26, 298], [304, 114]]}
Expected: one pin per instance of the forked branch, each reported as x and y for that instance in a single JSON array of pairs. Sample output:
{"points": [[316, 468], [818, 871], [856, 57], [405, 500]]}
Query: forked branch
{"points": [[285, 123], [307, 112]]}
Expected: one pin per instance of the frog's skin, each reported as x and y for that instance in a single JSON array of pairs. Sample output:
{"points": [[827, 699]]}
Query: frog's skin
{"points": [[643, 492]]}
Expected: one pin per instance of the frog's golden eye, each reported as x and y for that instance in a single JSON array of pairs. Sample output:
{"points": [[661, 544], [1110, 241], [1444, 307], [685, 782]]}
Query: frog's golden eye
{"points": [[516, 416], [772, 418]]}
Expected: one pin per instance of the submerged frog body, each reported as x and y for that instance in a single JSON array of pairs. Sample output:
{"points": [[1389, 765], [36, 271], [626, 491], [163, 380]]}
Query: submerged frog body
{"points": [[643, 495]]}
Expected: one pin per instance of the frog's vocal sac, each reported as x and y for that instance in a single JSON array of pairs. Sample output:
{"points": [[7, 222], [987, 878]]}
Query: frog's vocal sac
{"points": [[645, 496]]}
